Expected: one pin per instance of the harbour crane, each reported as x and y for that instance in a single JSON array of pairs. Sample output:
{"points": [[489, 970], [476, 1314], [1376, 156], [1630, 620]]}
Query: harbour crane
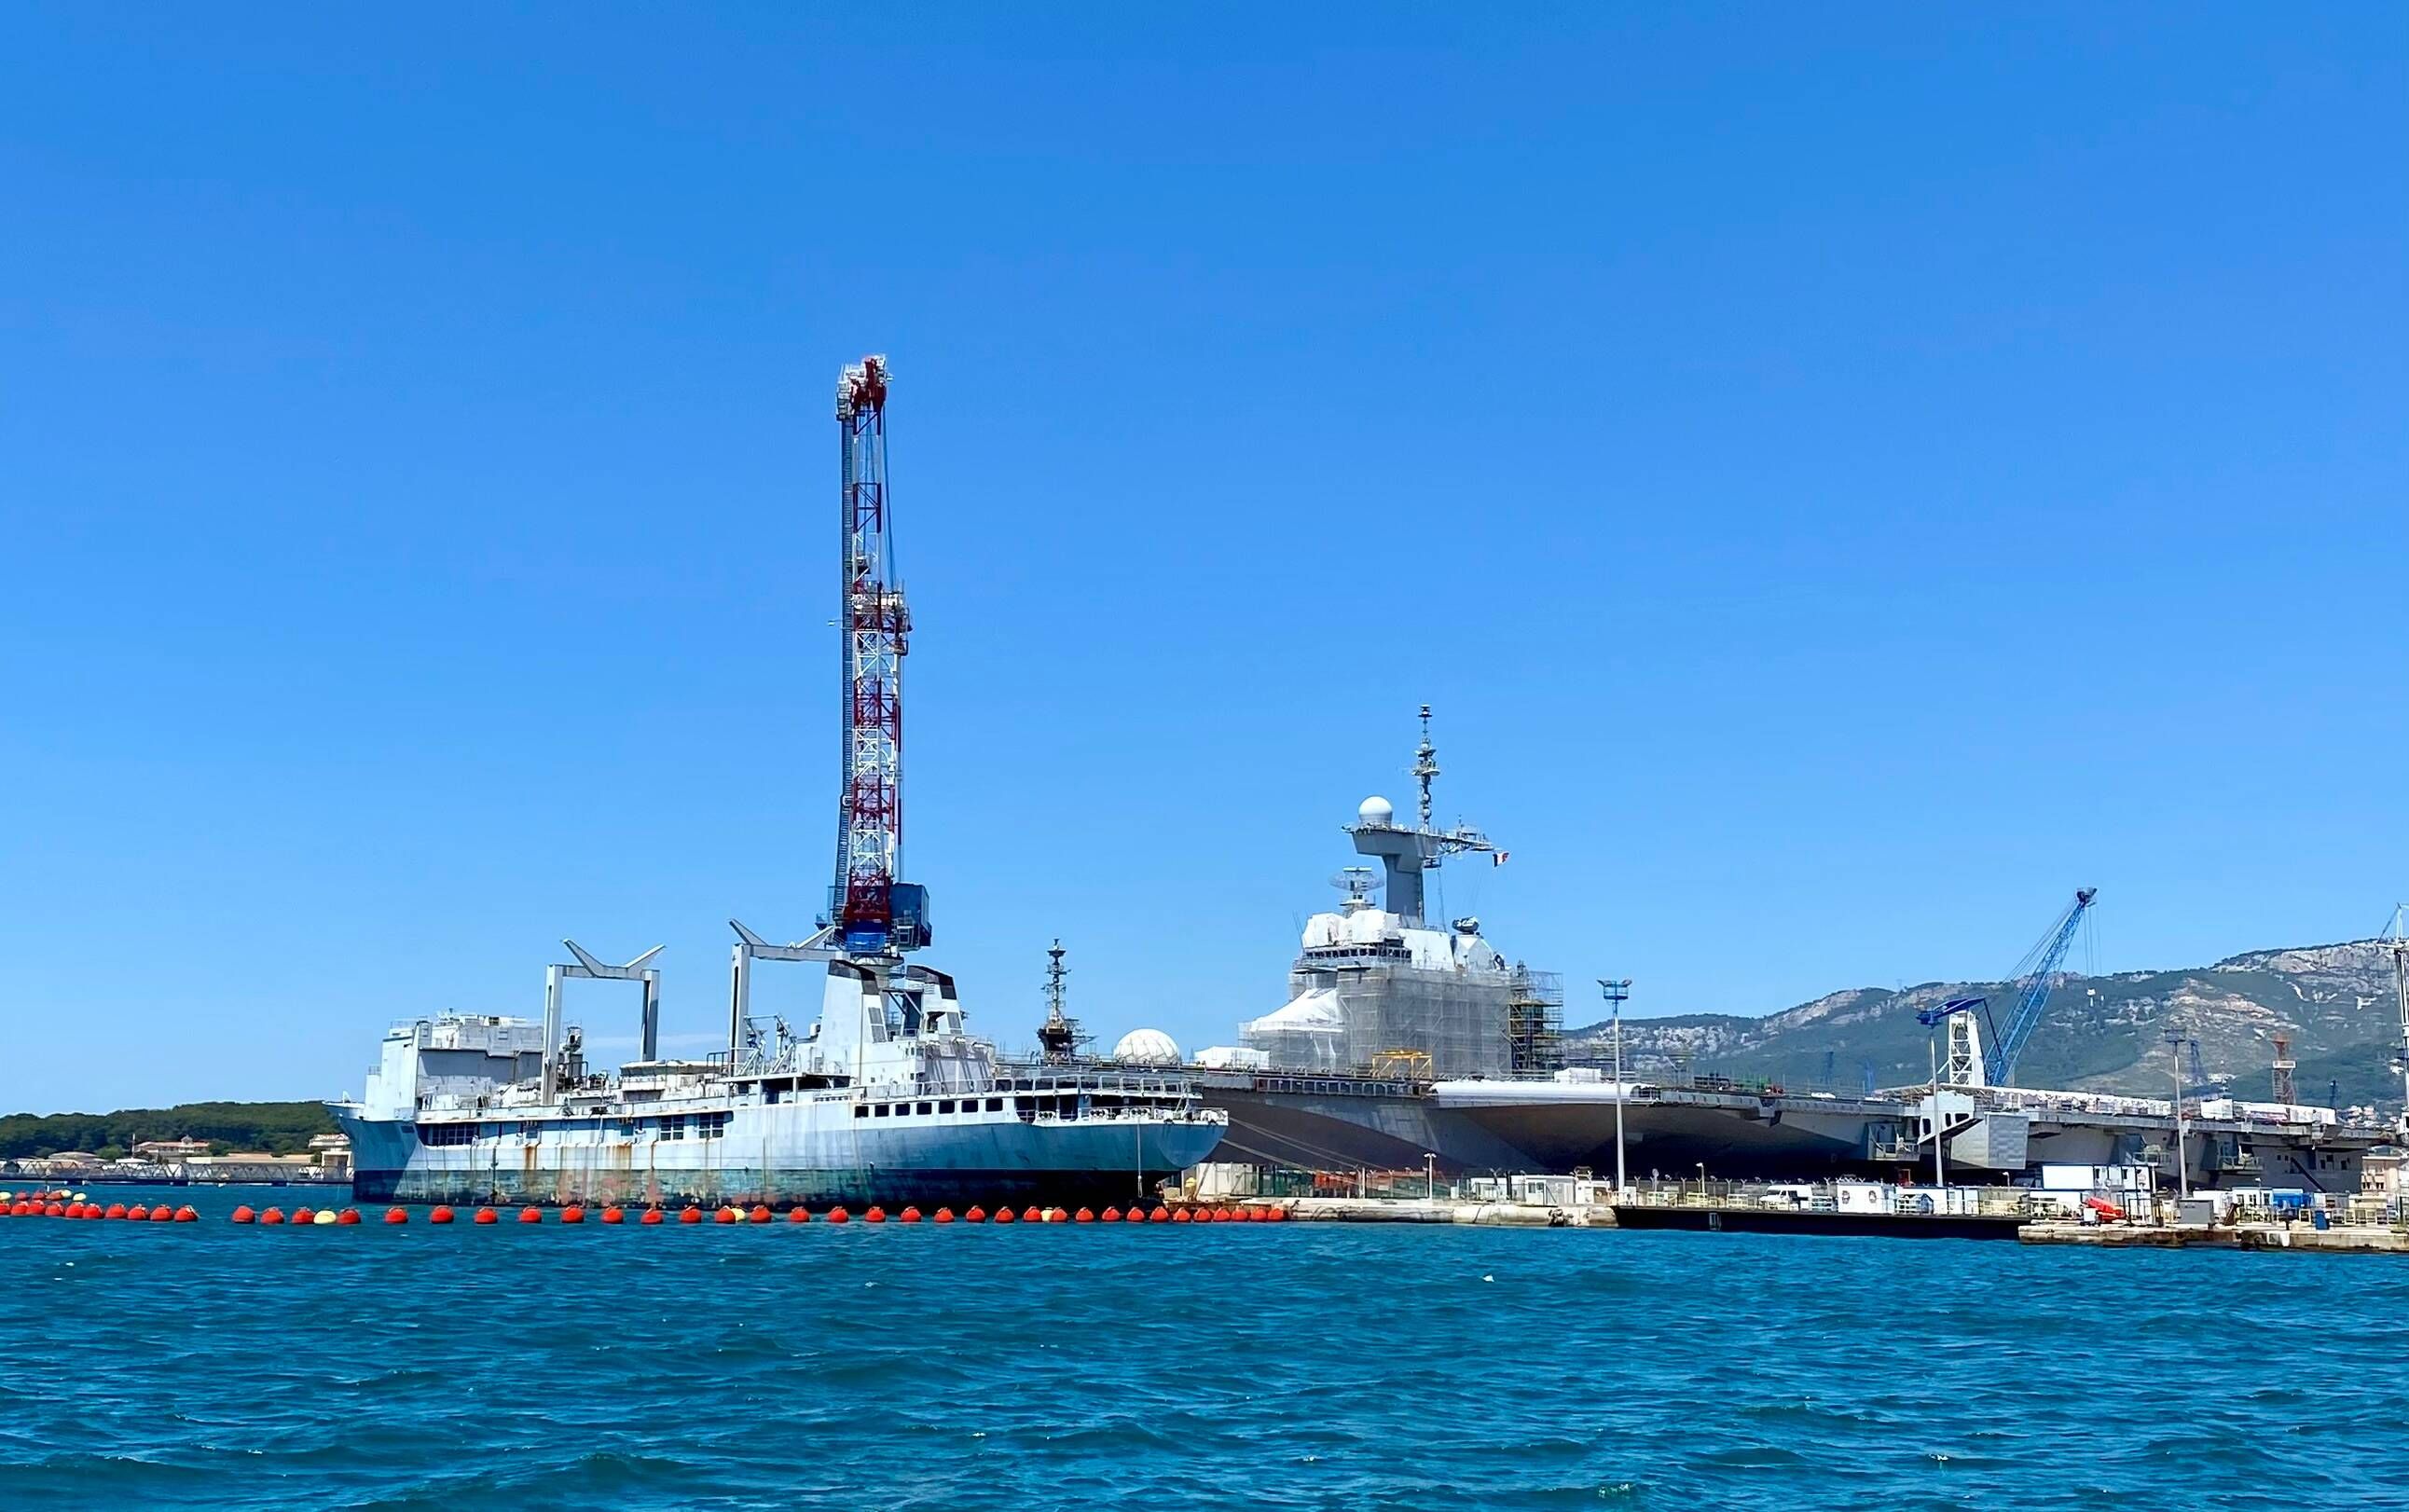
{"points": [[1983, 1049], [870, 913]]}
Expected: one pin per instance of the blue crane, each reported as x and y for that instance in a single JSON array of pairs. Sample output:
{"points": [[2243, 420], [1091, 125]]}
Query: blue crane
{"points": [[2001, 1044]]}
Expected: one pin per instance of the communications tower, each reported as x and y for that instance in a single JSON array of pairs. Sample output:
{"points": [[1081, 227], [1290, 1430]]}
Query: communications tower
{"points": [[872, 913]]}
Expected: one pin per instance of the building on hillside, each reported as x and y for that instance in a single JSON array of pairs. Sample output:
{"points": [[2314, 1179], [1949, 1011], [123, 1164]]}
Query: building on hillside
{"points": [[170, 1149]]}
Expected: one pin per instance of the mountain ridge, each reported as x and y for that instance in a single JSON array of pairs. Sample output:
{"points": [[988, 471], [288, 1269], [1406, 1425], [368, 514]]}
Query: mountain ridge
{"points": [[2097, 1033]]}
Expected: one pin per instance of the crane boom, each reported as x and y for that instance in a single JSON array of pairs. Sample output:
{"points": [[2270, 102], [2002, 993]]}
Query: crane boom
{"points": [[873, 912], [1998, 1047]]}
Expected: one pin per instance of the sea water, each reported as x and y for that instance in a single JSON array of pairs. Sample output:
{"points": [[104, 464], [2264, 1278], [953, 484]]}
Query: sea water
{"points": [[1103, 1367]]}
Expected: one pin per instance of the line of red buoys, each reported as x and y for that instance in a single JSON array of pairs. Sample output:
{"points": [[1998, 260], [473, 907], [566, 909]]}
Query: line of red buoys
{"points": [[757, 1213]]}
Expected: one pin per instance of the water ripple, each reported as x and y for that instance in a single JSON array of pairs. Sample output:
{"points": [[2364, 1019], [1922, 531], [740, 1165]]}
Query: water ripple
{"points": [[1106, 1368]]}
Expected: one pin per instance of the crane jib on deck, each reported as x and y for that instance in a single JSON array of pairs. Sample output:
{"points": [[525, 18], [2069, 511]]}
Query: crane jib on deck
{"points": [[1989, 1058]]}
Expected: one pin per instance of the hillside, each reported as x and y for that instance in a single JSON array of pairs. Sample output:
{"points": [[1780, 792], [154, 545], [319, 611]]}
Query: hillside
{"points": [[278, 1128], [2335, 1001]]}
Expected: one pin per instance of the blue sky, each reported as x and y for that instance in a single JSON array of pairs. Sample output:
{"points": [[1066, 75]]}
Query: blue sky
{"points": [[1844, 479]]}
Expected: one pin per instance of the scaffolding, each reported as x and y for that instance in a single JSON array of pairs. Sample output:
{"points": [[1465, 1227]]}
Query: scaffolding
{"points": [[1535, 1022], [1445, 1022]]}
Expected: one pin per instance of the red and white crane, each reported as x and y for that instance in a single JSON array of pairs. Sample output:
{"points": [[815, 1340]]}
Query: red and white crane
{"points": [[872, 913]]}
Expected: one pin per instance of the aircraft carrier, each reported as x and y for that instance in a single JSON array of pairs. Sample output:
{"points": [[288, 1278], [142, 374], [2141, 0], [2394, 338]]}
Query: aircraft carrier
{"points": [[1406, 1040]]}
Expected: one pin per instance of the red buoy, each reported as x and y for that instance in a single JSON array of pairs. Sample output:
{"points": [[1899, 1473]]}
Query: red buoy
{"points": [[244, 1215], [486, 1214], [1003, 1215], [1030, 1214], [186, 1214], [572, 1214], [837, 1215], [876, 1215], [348, 1217], [1110, 1215], [1083, 1216], [798, 1213], [137, 1213], [439, 1213], [943, 1215], [1181, 1216], [530, 1215], [93, 1210], [761, 1213], [397, 1215], [909, 1215], [274, 1214], [652, 1215], [116, 1210], [691, 1215], [975, 1215], [725, 1214], [611, 1215]]}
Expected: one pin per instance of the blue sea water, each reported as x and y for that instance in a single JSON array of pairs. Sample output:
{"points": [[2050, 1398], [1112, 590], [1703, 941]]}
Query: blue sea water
{"points": [[1296, 1365]]}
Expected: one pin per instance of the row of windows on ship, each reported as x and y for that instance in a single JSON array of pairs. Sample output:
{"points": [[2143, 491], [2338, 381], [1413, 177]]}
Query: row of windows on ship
{"points": [[714, 1124]]}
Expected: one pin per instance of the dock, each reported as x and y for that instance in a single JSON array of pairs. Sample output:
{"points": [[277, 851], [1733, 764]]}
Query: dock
{"points": [[2360, 1239]]}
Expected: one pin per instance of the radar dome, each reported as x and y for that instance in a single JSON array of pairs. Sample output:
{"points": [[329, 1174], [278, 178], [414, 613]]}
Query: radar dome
{"points": [[1375, 810], [1146, 1047]]}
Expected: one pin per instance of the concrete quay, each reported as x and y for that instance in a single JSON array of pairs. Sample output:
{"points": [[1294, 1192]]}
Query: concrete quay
{"points": [[2345, 1238]]}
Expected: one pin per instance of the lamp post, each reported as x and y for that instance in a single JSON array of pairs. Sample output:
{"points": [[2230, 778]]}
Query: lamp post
{"points": [[1617, 994], [1430, 1177], [2183, 1158]]}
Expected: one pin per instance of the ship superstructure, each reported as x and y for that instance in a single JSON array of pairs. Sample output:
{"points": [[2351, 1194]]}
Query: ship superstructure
{"points": [[889, 1097], [1377, 986]]}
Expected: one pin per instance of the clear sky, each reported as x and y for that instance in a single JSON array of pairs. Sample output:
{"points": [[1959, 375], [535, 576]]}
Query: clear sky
{"points": [[1845, 478]]}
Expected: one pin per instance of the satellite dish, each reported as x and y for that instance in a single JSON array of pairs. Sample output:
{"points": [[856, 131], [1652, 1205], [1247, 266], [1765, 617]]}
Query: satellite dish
{"points": [[1357, 882]]}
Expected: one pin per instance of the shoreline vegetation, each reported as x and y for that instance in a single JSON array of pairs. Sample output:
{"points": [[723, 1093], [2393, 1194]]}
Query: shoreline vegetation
{"points": [[276, 1128]]}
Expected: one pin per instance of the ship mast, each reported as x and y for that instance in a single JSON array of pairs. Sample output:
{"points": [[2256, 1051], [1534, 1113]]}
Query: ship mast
{"points": [[1058, 1038], [1404, 855]]}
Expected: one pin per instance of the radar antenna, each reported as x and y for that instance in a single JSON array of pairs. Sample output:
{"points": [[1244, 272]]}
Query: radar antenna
{"points": [[1359, 882]]}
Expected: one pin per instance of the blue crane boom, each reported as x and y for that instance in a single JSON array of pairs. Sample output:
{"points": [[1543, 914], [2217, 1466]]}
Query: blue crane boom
{"points": [[2003, 1043]]}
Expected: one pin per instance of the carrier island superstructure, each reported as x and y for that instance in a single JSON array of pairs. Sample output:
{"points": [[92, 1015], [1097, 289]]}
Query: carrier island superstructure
{"points": [[888, 1098], [1404, 1041]]}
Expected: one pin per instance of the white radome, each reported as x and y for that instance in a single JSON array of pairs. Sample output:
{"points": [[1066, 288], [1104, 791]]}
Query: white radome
{"points": [[1375, 810], [1146, 1047]]}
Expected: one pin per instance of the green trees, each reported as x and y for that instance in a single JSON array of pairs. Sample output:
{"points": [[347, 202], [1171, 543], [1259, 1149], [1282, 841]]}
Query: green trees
{"points": [[278, 1128]]}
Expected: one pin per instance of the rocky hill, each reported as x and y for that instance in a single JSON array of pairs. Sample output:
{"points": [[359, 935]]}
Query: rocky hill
{"points": [[2098, 1033]]}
